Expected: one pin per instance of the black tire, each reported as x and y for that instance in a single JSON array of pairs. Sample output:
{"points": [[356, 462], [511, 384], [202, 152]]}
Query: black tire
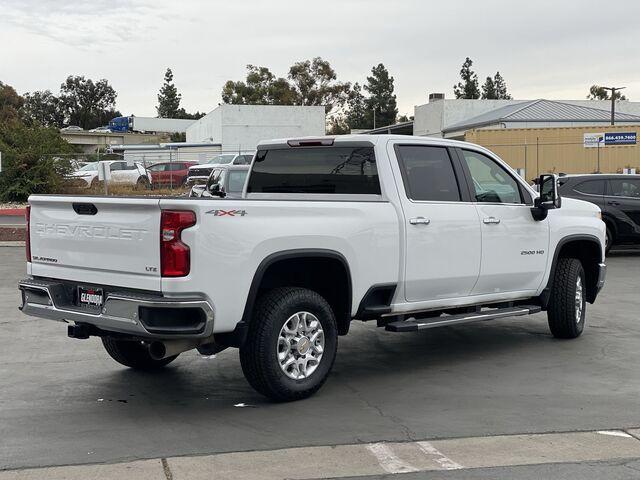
{"points": [[259, 354], [133, 354], [609, 240], [562, 313]]}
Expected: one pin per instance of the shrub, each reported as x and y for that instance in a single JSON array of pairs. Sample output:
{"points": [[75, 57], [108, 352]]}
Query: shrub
{"points": [[28, 165]]}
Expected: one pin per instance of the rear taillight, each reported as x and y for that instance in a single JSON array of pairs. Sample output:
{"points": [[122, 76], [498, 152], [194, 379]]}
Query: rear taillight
{"points": [[175, 256], [27, 242]]}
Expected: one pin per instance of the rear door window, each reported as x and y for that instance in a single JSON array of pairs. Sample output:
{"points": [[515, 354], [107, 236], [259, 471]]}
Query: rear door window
{"points": [[590, 187], [325, 170], [427, 173], [622, 187]]}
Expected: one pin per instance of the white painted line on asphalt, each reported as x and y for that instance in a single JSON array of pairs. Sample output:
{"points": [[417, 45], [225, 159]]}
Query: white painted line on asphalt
{"points": [[445, 462], [615, 433], [388, 460]]}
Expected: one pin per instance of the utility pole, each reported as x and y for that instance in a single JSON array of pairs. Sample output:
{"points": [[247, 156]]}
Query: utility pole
{"points": [[613, 91]]}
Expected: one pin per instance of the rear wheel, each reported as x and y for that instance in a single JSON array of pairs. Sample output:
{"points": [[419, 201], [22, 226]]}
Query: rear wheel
{"points": [[291, 344], [567, 305], [133, 354]]}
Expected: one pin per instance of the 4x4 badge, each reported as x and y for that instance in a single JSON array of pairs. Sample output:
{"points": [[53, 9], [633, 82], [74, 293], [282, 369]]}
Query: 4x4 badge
{"points": [[227, 213]]}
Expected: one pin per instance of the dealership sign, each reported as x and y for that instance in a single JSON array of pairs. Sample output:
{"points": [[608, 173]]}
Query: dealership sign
{"points": [[594, 140], [626, 138]]}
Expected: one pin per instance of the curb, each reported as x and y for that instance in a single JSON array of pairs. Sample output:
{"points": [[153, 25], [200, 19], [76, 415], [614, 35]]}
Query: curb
{"points": [[17, 243], [13, 212]]}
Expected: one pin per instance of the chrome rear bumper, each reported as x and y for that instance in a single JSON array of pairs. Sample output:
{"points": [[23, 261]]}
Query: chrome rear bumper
{"points": [[138, 314]]}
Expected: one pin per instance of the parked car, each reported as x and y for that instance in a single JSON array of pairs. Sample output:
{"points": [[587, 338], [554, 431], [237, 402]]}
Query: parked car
{"points": [[618, 196], [121, 174], [369, 227], [170, 173], [224, 182], [199, 174]]}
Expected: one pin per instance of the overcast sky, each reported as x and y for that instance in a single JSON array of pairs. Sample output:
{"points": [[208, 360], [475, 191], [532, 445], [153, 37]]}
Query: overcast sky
{"points": [[544, 49]]}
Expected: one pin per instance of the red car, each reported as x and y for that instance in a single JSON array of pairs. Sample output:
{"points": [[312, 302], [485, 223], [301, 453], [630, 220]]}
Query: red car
{"points": [[174, 173]]}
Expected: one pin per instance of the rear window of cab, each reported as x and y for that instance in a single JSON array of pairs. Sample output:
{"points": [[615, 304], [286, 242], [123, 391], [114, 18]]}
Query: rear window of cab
{"points": [[324, 170]]}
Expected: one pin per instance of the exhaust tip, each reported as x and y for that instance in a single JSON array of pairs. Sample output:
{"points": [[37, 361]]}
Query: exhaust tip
{"points": [[157, 350]]}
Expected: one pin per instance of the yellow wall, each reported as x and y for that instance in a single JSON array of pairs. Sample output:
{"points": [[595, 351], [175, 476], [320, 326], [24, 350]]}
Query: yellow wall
{"points": [[558, 150]]}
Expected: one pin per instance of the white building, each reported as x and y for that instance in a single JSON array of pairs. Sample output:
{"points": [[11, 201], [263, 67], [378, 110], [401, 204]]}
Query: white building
{"points": [[439, 115], [242, 127]]}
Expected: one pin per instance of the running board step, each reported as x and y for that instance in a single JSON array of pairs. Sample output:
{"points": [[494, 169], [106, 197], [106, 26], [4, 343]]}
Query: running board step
{"points": [[447, 320]]}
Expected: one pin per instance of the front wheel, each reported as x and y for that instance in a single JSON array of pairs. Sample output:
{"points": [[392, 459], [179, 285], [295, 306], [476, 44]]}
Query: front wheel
{"points": [[608, 241], [291, 344], [567, 305]]}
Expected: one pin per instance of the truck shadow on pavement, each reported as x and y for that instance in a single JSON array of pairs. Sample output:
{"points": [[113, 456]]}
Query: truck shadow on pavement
{"points": [[366, 357]]}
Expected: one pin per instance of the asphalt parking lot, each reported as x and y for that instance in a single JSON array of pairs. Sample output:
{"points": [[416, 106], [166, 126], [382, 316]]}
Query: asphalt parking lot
{"points": [[65, 401]]}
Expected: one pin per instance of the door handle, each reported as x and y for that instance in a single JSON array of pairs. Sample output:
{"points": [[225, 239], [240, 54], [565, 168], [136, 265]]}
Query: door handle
{"points": [[419, 221], [615, 204], [491, 220]]}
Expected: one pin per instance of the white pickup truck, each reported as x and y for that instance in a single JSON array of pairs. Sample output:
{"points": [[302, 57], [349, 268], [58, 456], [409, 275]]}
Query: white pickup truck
{"points": [[411, 232]]}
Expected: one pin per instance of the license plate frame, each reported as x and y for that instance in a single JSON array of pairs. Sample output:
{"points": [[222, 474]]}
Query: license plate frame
{"points": [[91, 298]]}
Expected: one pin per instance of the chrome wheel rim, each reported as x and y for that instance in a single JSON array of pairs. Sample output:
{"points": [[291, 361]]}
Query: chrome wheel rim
{"points": [[300, 345], [579, 299]]}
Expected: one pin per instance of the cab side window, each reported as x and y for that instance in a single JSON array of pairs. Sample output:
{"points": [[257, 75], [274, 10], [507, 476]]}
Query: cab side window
{"points": [[427, 173], [491, 182]]}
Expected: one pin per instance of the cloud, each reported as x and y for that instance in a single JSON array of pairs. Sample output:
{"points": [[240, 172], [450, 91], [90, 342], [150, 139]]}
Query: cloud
{"points": [[83, 24], [547, 48]]}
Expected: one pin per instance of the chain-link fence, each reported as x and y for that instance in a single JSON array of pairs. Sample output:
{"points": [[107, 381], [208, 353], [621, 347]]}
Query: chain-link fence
{"points": [[141, 171]]}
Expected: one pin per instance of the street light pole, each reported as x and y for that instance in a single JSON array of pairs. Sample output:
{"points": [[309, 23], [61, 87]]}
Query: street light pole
{"points": [[613, 91]]}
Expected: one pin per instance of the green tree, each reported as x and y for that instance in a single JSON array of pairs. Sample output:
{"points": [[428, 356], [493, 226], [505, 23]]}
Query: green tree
{"points": [[28, 163], [381, 97], [468, 87], [338, 125], [357, 117], [314, 82], [86, 103], [495, 88], [489, 89], [310, 82], [43, 108], [10, 103], [596, 92], [189, 116], [501, 87], [261, 87], [168, 98]]}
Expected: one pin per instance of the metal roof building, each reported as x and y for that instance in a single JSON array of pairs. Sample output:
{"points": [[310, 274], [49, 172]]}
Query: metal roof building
{"points": [[538, 114]]}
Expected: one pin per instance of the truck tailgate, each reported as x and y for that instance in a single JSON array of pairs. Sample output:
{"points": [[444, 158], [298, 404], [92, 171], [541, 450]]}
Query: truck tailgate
{"points": [[107, 241]]}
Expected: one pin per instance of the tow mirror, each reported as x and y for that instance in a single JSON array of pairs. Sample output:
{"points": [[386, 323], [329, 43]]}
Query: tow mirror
{"points": [[549, 198]]}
